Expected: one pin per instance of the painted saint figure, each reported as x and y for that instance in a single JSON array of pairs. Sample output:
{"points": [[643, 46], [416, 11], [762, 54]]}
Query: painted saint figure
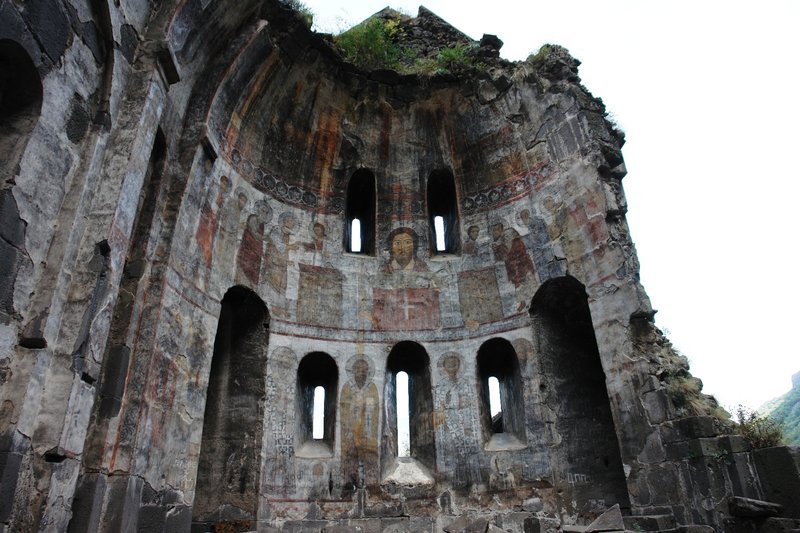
{"points": [[209, 222], [359, 408], [509, 248], [471, 245], [280, 244], [251, 249], [537, 239], [229, 229], [403, 244], [317, 244]]}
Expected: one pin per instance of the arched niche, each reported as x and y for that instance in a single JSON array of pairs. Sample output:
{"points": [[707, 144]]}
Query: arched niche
{"points": [[228, 473], [20, 103], [360, 204], [412, 359], [585, 458], [20, 107], [316, 370], [442, 202], [506, 429]]}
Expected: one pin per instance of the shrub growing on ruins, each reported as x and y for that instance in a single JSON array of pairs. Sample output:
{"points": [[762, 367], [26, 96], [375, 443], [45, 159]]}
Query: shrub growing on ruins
{"points": [[370, 45], [540, 55], [686, 393], [451, 60], [377, 43], [760, 432]]}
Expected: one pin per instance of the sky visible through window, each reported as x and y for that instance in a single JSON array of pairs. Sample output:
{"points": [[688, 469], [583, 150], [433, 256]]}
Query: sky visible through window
{"points": [[355, 236], [494, 396], [403, 433], [318, 429], [438, 224]]}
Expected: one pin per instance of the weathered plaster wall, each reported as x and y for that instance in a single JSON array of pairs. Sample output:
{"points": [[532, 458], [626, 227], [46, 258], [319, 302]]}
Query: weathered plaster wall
{"points": [[188, 156]]}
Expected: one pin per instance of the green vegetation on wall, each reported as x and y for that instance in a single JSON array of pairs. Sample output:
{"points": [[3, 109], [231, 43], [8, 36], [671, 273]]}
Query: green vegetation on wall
{"points": [[377, 43], [451, 60], [758, 431], [371, 45]]}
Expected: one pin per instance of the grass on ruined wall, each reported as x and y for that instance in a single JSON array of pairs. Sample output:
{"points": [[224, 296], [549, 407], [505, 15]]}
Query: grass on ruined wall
{"points": [[375, 44], [541, 54], [758, 431], [686, 393], [371, 45], [451, 60]]}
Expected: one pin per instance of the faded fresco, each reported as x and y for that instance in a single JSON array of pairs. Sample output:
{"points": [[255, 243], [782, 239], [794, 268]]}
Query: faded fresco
{"points": [[359, 408], [280, 243], [457, 424], [250, 257], [279, 418], [320, 296], [479, 296], [413, 303]]}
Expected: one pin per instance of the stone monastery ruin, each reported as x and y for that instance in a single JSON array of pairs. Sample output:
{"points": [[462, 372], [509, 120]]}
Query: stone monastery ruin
{"points": [[192, 337]]}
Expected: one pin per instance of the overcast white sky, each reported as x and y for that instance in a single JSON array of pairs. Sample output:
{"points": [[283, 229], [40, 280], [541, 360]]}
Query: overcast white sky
{"points": [[708, 94]]}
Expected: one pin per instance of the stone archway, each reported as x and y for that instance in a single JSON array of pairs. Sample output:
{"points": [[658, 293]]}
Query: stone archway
{"points": [[585, 458], [229, 468]]}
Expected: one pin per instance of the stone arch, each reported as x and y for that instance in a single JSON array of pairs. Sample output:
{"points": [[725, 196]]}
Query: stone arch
{"points": [[316, 369], [20, 108], [442, 201], [360, 204], [228, 474], [411, 358], [497, 358], [585, 458], [20, 103]]}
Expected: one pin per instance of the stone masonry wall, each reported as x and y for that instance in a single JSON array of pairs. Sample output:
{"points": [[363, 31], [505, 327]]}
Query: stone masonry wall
{"points": [[176, 283]]}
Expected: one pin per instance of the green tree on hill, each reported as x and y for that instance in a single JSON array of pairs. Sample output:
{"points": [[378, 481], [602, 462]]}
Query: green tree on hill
{"points": [[787, 414]]}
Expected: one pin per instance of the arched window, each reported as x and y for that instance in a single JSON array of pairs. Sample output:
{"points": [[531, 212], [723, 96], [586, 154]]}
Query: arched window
{"points": [[359, 228], [501, 399], [573, 376], [443, 213], [317, 385], [228, 474], [20, 103], [20, 107], [408, 381]]}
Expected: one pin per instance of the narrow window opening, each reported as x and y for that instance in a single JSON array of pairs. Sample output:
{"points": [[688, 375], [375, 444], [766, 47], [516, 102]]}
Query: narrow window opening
{"points": [[355, 236], [315, 407], [438, 228], [500, 394], [360, 207], [318, 430], [495, 406], [444, 232], [408, 439], [403, 432]]}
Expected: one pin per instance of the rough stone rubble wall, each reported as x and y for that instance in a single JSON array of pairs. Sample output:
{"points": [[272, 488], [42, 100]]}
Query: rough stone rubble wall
{"points": [[107, 343]]}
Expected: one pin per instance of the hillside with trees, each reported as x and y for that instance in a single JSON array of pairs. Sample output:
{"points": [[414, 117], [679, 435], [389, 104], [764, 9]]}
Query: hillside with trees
{"points": [[785, 411]]}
